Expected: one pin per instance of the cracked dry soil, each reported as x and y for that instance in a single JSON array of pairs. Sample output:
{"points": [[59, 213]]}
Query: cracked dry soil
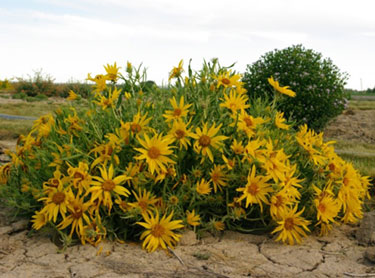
{"points": [[231, 255]]}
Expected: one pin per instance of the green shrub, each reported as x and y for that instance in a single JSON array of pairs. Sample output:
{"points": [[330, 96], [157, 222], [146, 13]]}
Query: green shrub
{"points": [[20, 95], [319, 84], [81, 89], [197, 154], [35, 85], [5, 85]]}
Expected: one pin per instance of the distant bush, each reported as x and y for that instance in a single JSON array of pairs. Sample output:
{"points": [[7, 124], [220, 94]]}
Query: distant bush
{"points": [[319, 84], [35, 85], [82, 89], [369, 91], [19, 96], [41, 84], [5, 85]]}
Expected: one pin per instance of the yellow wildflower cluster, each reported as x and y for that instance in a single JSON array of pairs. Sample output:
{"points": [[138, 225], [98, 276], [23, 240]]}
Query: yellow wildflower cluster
{"points": [[140, 162]]}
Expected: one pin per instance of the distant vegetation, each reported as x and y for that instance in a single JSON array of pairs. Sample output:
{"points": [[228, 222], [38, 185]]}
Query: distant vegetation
{"points": [[42, 86], [361, 92]]}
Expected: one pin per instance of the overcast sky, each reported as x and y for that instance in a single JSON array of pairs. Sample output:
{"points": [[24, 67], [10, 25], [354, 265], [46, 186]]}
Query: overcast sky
{"points": [[69, 38]]}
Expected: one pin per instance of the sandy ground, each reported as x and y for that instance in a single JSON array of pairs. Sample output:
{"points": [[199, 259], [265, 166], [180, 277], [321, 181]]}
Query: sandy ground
{"points": [[232, 255]]}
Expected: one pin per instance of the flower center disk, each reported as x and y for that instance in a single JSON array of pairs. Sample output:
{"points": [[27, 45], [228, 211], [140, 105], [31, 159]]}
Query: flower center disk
{"points": [[153, 152], [204, 141], [108, 185]]}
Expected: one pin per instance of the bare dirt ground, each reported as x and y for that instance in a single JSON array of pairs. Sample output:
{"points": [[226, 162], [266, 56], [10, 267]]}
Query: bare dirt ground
{"points": [[231, 255]]}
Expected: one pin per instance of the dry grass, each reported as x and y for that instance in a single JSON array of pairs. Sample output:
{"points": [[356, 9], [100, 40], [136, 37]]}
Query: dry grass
{"points": [[12, 128], [354, 133], [362, 104]]}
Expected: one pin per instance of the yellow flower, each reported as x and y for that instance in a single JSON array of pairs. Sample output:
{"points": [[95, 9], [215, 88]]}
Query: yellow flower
{"points": [[327, 208], [207, 140], [253, 149], [324, 228], [291, 183], [43, 125], [351, 194], [139, 124], [57, 201], [159, 232], [112, 72], [123, 132], [218, 177], [283, 90], [109, 101], [94, 232], [180, 133], [203, 187], [196, 172], [40, 219], [77, 216], [235, 102], [106, 185], [100, 81], [106, 153], [228, 81], [43, 120], [246, 123], [192, 218], [279, 121], [129, 67], [238, 210], [155, 151], [237, 147], [176, 72], [123, 205], [72, 95], [256, 189], [311, 142], [218, 225], [229, 163], [173, 200], [274, 162], [179, 111], [279, 203], [80, 176], [292, 226], [74, 123], [4, 173], [145, 201]]}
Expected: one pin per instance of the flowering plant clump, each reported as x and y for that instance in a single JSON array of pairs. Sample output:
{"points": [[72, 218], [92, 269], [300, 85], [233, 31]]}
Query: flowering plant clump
{"points": [[195, 155], [318, 82]]}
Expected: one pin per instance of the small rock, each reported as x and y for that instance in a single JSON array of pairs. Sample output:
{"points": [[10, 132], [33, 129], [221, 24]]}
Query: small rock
{"points": [[188, 238], [370, 254], [19, 225], [366, 231]]}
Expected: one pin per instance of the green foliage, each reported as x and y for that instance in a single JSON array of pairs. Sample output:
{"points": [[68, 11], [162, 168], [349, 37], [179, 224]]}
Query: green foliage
{"points": [[20, 95], [35, 85], [318, 83], [81, 89], [368, 92], [197, 154], [5, 85]]}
